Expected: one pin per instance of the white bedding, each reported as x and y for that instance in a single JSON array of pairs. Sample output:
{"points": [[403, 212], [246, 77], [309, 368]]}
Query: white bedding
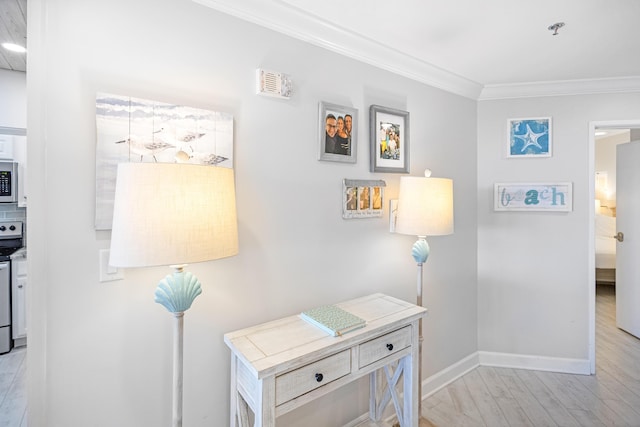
{"points": [[605, 243]]}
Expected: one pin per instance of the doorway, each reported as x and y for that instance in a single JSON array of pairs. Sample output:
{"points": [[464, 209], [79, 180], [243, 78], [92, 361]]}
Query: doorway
{"points": [[593, 128]]}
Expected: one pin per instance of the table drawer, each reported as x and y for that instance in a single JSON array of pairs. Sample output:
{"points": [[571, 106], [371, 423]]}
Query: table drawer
{"points": [[312, 376], [381, 347]]}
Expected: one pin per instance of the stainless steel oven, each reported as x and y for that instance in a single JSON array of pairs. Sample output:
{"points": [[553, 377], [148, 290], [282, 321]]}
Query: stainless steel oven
{"points": [[10, 241]]}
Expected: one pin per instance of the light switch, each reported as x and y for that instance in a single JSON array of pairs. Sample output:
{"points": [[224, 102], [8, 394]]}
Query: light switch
{"points": [[108, 273], [393, 215]]}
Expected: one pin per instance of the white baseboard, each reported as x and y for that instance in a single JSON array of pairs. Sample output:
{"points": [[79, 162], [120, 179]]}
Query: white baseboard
{"points": [[537, 363], [448, 375], [361, 419]]}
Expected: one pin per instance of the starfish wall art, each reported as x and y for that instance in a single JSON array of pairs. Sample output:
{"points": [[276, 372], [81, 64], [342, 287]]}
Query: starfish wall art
{"points": [[529, 137]]}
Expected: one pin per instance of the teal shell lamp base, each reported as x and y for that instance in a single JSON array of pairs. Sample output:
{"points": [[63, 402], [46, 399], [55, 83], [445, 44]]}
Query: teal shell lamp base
{"points": [[177, 291], [420, 250]]}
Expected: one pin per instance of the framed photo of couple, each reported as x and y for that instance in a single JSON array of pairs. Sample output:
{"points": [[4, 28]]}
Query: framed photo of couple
{"points": [[337, 133]]}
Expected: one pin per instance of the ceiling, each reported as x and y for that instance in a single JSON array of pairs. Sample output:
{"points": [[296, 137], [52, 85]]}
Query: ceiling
{"points": [[463, 46], [13, 29]]}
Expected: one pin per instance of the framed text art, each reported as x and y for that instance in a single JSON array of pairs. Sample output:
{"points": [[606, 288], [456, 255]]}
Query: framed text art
{"points": [[389, 133], [337, 133], [362, 198], [529, 137], [555, 196]]}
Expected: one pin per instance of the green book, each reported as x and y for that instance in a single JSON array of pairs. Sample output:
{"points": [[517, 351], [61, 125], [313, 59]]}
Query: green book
{"points": [[333, 320]]}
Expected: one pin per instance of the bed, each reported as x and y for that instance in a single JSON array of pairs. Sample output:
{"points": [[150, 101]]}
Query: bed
{"points": [[605, 249]]}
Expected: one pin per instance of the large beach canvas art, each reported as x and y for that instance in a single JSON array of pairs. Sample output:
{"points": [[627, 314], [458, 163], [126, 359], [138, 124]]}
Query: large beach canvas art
{"points": [[138, 130]]}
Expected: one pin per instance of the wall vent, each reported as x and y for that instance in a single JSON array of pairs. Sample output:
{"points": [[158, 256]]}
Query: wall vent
{"points": [[273, 83]]}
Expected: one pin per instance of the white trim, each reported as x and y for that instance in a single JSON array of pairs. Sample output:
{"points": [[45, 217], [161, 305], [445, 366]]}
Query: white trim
{"points": [[448, 375], [557, 88], [591, 251], [537, 363], [361, 419]]}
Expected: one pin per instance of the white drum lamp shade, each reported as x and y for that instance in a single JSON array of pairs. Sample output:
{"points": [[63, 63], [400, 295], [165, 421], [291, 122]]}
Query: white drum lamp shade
{"points": [[173, 213], [425, 206]]}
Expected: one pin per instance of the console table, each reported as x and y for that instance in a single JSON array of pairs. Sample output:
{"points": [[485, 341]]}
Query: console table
{"points": [[281, 365]]}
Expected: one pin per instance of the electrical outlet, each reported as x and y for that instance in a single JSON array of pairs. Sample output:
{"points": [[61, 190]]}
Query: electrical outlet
{"points": [[108, 273]]}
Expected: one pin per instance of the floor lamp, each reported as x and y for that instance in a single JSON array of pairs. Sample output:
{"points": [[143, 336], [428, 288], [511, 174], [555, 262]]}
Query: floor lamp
{"points": [[173, 214], [425, 208]]}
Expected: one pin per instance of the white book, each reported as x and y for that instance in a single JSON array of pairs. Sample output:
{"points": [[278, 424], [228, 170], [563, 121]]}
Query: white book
{"points": [[333, 319]]}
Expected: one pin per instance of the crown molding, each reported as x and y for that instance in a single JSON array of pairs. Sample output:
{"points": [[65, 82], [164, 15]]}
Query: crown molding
{"points": [[284, 17], [297, 23], [560, 88]]}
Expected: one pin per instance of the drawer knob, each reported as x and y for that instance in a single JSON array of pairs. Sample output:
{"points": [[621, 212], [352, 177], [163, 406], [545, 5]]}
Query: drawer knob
{"points": [[390, 347], [319, 377]]}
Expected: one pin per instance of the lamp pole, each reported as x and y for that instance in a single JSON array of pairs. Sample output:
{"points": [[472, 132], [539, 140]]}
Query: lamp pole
{"points": [[420, 252], [178, 334], [176, 293]]}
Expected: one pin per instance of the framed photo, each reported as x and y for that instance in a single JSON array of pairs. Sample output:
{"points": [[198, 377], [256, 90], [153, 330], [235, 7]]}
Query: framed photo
{"points": [[362, 198], [389, 133], [529, 137], [337, 133], [541, 196]]}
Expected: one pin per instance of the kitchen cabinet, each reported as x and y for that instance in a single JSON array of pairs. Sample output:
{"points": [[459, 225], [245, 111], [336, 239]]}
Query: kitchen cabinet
{"points": [[19, 297]]}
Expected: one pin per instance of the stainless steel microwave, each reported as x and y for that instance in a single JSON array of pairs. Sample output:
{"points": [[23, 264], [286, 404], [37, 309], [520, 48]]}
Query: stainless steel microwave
{"points": [[8, 182]]}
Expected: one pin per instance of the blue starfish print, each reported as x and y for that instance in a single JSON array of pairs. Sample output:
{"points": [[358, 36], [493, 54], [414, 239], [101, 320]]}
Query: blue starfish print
{"points": [[530, 138]]}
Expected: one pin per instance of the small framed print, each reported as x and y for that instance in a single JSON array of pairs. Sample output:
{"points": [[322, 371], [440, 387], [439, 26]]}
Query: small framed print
{"points": [[529, 137], [389, 133], [337, 133], [362, 198], [538, 196]]}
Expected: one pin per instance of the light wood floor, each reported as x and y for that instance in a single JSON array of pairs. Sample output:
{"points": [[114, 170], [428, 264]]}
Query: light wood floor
{"points": [[512, 397], [485, 397], [13, 388]]}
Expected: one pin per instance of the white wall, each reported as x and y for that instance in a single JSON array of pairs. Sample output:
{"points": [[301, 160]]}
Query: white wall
{"points": [[13, 99], [533, 267], [100, 353]]}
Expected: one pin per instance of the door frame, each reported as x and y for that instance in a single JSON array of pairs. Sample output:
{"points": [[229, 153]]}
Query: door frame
{"points": [[593, 125]]}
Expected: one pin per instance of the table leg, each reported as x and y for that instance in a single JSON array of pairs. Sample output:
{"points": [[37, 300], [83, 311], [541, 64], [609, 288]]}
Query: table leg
{"points": [[266, 403], [233, 394]]}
